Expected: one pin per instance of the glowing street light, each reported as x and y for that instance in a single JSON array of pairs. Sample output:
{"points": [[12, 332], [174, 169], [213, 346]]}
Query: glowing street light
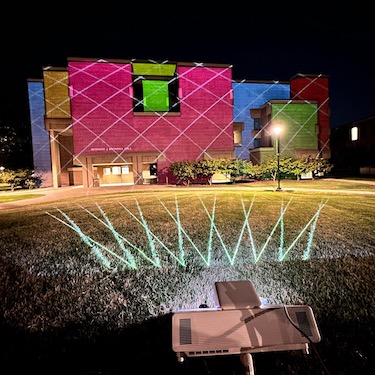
{"points": [[277, 130]]}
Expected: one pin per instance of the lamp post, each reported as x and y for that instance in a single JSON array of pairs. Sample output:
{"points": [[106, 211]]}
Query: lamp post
{"points": [[277, 131]]}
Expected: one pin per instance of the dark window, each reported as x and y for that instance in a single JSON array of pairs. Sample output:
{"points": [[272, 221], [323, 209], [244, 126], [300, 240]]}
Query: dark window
{"points": [[257, 124], [153, 169]]}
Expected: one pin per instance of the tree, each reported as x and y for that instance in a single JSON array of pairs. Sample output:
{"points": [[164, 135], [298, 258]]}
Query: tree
{"points": [[15, 136], [237, 168], [206, 168], [294, 167], [20, 178], [318, 166], [185, 170]]}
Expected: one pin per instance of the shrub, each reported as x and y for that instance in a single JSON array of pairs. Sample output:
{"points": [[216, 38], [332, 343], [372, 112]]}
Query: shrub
{"points": [[21, 178]]}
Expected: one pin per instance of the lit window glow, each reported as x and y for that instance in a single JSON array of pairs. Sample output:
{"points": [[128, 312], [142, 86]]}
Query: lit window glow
{"points": [[354, 133], [116, 170]]}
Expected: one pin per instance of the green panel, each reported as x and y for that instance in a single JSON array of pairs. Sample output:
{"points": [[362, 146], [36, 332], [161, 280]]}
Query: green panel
{"points": [[265, 153], [154, 69], [155, 96], [299, 122]]}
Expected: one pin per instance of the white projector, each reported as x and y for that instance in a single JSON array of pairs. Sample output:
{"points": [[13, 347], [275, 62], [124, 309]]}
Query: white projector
{"points": [[240, 323]]}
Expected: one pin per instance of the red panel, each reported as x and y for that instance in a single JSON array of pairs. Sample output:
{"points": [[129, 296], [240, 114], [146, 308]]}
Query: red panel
{"points": [[315, 88]]}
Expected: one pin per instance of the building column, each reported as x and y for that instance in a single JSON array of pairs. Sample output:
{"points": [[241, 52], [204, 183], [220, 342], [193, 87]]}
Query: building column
{"points": [[87, 173], [55, 159]]}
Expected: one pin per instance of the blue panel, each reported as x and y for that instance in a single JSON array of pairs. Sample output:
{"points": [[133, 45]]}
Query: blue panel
{"points": [[249, 95], [39, 135]]}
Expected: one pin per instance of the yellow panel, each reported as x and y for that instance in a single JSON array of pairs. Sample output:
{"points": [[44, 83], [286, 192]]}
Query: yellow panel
{"points": [[154, 69], [56, 94]]}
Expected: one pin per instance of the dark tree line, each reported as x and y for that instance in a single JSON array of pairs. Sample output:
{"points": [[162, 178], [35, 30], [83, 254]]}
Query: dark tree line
{"points": [[15, 133]]}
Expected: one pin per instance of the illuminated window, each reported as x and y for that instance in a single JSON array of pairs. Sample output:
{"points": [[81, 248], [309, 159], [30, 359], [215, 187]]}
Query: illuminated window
{"points": [[125, 169], [116, 170], [155, 88], [237, 133], [354, 133], [107, 171]]}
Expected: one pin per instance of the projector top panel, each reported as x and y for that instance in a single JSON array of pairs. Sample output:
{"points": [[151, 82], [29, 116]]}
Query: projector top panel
{"points": [[239, 294]]}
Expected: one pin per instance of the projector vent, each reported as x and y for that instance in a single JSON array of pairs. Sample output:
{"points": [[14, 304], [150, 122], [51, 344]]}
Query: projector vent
{"points": [[185, 331], [207, 352], [303, 323]]}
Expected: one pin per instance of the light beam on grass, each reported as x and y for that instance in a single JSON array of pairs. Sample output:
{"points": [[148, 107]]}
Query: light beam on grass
{"points": [[181, 230], [278, 222], [109, 258], [281, 243], [144, 225], [119, 239], [306, 254], [97, 247], [312, 225], [213, 228]]}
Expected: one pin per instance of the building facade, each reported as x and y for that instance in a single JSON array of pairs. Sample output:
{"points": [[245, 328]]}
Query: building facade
{"points": [[303, 120], [247, 96], [125, 121], [353, 148]]}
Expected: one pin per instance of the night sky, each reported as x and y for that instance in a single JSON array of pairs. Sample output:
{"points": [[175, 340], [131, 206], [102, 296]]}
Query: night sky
{"points": [[262, 42]]}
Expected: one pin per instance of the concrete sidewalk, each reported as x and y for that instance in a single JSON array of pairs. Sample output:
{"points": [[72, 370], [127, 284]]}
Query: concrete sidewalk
{"points": [[56, 194]]}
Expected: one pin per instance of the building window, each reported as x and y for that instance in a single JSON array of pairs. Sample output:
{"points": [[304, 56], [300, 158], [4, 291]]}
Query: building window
{"points": [[257, 124], [237, 133], [153, 169], [116, 170], [150, 173], [155, 88], [354, 133]]}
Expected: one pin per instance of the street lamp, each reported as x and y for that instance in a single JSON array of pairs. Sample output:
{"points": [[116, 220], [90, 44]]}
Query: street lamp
{"points": [[277, 131]]}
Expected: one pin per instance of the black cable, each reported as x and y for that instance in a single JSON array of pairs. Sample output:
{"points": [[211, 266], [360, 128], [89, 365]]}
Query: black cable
{"points": [[307, 337]]}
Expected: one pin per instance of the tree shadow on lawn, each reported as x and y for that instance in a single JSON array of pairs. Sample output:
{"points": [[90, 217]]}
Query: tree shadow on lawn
{"points": [[143, 349]]}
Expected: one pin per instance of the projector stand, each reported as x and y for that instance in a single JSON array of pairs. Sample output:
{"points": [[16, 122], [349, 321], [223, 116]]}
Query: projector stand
{"points": [[247, 364]]}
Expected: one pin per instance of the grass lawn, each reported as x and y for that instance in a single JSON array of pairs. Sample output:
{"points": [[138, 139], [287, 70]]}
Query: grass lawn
{"points": [[17, 197], [88, 285]]}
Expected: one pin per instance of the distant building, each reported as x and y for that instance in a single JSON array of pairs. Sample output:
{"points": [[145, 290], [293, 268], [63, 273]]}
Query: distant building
{"points": [[101, 122], [247, 96], [353, 148]]}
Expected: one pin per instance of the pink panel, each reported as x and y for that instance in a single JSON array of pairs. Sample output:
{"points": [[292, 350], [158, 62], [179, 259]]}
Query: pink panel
{"points": [[103, 118]]}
